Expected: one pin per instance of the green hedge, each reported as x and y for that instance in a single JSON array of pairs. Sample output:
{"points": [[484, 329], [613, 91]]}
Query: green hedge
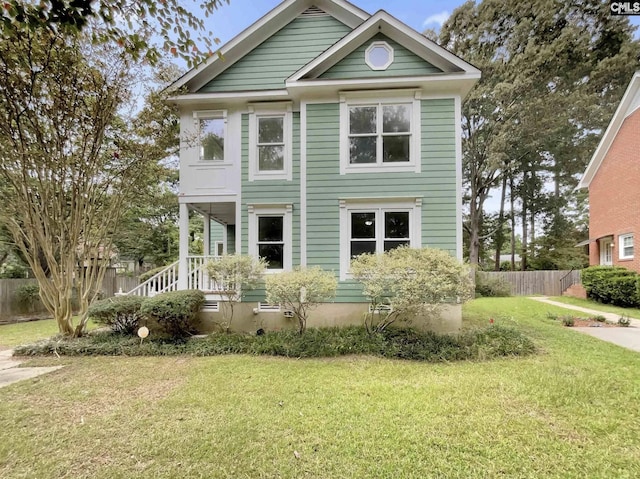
{"points": [[612, 285], [481, 344], [175, 312], [121, 313]]}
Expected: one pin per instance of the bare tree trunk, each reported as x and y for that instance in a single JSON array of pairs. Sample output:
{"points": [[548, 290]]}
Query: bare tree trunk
{"points": [[525, 222], [500, 233], [513, 225]]}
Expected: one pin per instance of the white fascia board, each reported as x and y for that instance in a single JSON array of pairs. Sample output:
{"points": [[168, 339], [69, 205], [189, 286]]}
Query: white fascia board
{"points": [[228, 97], [382, 22], [261, 30], [629, 103], [458, 84]]}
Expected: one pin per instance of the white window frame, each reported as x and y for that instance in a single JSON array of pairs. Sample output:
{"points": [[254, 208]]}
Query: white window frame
{"points": [[621, 240], [412, 205], [374, 45], [286, 211], [210, 115], [284, 110], [380, 98]]}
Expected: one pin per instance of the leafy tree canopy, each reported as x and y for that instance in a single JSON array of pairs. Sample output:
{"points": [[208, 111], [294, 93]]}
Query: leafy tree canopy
{"points": [[143, 28]]}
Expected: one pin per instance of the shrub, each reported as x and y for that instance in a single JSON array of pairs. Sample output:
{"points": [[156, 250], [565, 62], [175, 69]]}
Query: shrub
{"points": [[609, 284], [599, 318], [491, 287], [27, 295], [235, 274], [568, 321], [300, 290], [409, 281], [176, 311], [121, 313], [481, 344], [624, 321], [552, 316]]}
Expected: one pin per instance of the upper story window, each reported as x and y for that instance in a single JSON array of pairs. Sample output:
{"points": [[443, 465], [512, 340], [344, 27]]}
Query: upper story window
{"points": [[270, 143], [211, 127], [379, 56], [380, 135], [626, 246]]}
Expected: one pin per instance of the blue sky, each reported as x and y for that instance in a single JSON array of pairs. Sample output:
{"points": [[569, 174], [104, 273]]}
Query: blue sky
{"points": [[231, 19]]}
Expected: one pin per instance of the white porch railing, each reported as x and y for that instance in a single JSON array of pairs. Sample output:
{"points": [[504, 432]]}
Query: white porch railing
{"points": [[197, 278]]}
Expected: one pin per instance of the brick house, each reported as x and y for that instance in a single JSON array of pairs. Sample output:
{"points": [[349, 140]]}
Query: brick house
{"points": [[613, 180]]}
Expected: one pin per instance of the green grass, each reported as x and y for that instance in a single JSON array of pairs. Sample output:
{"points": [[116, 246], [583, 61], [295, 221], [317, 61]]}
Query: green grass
{"points": [[568, 412], [607, 308], [12, 335]]}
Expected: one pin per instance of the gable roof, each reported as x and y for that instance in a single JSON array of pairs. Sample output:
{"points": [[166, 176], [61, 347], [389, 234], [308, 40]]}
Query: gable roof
{"points": [[262, 29], [382, 22], [630, 103]]}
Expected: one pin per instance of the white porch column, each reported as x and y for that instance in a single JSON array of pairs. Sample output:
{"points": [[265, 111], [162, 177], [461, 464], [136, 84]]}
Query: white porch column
{"points": [[183, 266], [207, 234]]}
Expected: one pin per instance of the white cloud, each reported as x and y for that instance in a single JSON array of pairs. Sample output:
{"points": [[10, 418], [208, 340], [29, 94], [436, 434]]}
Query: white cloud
{"points": [[438, 18]]}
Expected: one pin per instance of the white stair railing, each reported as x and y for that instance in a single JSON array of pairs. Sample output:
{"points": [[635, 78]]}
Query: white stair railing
{"points": [[197, 278], [165, 280]]}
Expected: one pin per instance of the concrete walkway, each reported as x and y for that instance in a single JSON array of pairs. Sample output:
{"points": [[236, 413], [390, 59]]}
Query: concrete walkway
{"points": [[626, 337], [10, 374]]}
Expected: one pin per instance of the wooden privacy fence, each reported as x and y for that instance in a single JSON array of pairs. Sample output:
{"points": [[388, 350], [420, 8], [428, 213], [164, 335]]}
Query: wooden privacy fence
{"points": [[12, 310], [526, 283]]}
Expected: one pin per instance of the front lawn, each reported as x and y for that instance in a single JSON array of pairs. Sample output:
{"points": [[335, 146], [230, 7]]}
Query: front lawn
{"points": [[607, 308], [12, 335], [568, 412]]}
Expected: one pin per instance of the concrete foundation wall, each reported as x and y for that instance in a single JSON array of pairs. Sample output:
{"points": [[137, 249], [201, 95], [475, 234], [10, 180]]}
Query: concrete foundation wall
{"points": [[326, 315]]}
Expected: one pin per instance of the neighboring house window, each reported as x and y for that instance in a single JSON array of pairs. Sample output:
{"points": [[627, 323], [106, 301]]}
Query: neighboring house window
{"points": [[270, 235], [379, 56], [377, 226], [270, 143], [380, 135], [626, 246], [211, 127]]}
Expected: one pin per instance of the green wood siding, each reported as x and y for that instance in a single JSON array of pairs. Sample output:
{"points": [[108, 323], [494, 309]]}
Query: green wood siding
{"points": [[268, 65], [436, 184], [405, 63], [231, 239], [216, 233], [271, 191]]}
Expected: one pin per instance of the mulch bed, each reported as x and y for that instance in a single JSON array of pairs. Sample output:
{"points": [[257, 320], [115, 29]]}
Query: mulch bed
{"points": [[588, 323]]}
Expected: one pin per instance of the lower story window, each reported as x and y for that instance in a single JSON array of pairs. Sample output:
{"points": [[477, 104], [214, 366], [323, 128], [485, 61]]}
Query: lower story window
{"points": [[377, 226], [270, 235], [378, 230], [626, 246], [271, 240]]}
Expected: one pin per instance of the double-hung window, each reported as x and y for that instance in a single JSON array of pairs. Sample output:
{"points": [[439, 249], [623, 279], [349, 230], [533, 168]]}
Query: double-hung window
{"points": [[377, 226], [626, 246], [211, 127], [270, 235], [378, 230], [270, 143], [380, 135]]}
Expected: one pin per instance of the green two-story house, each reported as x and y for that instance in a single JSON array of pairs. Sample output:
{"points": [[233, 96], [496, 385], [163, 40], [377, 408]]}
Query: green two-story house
{"points": [[321, 132]]}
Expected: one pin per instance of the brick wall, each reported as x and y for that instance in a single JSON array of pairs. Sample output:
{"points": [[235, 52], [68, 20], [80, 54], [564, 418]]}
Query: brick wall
{"points": [[614, 194]]}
